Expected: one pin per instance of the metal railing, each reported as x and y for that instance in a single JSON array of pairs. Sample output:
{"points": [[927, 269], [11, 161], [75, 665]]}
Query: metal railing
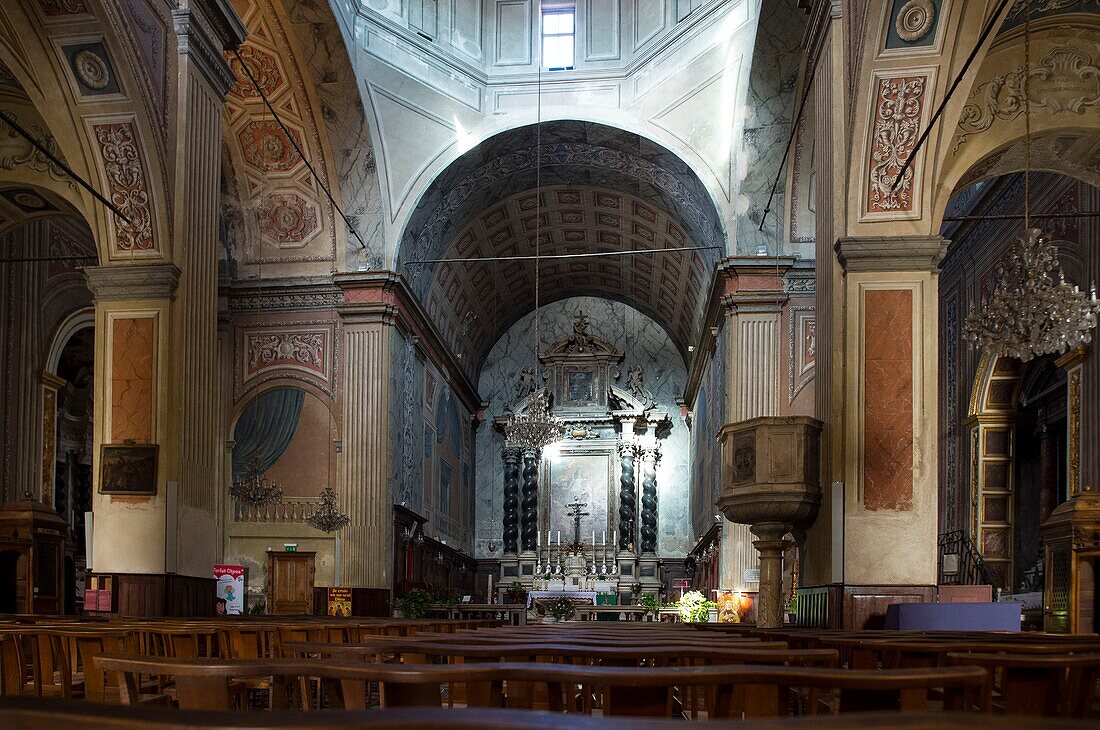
{"points": [[960, 561]]}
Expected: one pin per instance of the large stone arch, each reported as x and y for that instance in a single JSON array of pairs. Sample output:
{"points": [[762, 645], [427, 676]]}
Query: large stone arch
{"points": [[987, 136]]}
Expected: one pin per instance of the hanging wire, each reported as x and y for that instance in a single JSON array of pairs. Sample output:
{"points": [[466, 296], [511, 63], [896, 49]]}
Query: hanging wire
{"points": [[1027, 114], [538, 201]]}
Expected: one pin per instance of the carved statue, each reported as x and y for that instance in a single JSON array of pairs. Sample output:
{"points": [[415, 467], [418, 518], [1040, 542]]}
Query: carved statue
{"points": [[528, 383], [635, 382], [581, 340]]}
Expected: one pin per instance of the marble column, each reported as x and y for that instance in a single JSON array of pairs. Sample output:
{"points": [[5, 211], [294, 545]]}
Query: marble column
{"points": [[204, 30], [753, 305], [891, 356], [26, 364], [530, 505], [511, 456], [1073, 363], [627, 496], [50, 385], [771, 545], [651, 455], [1048, 474]]}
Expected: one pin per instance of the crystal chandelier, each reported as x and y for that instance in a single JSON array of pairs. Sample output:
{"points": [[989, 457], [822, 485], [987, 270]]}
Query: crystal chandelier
{"points": [[327, 517], [535, 427], [1034, 311], [253, 488]]}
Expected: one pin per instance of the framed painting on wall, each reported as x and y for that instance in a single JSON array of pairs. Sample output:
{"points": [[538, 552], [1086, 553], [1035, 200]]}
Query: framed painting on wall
{"points": [[128, 469], [580, 476]]}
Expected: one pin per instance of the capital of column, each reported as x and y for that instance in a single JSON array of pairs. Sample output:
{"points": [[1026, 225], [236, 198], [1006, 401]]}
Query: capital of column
{"points": [[511, 454], [891, 253], [651, 454], [119, 283], [205, 28], [1073, 358], [628, 449]]}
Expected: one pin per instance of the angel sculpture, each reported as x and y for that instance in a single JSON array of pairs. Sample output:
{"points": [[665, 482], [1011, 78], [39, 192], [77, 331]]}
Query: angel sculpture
{"points": [[527, 384], [635, 383]]}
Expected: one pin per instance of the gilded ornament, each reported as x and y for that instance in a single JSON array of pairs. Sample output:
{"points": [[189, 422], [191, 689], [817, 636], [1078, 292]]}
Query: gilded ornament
{"points": [[915, 20]]}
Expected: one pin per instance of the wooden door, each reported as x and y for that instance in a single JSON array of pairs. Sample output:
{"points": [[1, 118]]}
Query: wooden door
{"points": [[290, 583]]}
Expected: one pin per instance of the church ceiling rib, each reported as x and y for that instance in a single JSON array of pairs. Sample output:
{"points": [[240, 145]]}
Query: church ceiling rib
{"points": [[474, 303]]}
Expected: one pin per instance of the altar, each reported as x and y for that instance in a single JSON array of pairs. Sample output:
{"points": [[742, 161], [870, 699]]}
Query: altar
{"points": [[588, 485], [532, 596]]}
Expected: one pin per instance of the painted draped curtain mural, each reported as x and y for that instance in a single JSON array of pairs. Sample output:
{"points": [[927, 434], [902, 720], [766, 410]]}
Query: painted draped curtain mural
{"points": [[291, 432]]}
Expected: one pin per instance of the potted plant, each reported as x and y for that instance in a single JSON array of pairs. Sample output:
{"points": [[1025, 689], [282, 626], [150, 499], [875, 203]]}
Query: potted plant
{"points": [[414, 604], [791, 608], [559, 609], [652, 607], [694, 608], [516, 593]]}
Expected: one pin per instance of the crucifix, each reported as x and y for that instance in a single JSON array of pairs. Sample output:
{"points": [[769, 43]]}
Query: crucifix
{"points": [[575, 512]]}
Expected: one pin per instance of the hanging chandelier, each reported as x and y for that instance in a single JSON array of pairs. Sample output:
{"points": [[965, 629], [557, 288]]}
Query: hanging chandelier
{"points": [[327, 517], [253, 488], [536, 428], [1033, 311]]}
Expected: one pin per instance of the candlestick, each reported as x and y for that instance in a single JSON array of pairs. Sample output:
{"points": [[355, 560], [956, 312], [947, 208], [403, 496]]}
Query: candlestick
{"points": [[538, 540], [559, 538]]}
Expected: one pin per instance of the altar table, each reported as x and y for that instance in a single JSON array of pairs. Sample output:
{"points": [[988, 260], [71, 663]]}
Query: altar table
{"points": [[532, 595]]}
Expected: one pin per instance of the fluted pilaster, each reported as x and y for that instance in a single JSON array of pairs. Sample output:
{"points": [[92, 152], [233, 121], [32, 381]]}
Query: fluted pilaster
{"points": [[650, 457], [511, 456], [365, 497], [530, 505], [628, 500]]}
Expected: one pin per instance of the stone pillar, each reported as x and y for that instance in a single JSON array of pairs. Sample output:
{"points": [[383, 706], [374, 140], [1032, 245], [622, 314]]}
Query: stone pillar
{"points": [[511, 456], [530, 505], [891, 410], [627, 498], [1048, 474], [204, 30], [130, 401], [50, 385], [366, 497], [753, 302], [25, 421], [650, 456], [769, 605]]}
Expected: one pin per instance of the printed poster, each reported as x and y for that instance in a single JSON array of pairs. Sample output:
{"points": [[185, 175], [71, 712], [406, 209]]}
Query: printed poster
{"points": [[230, 592]]}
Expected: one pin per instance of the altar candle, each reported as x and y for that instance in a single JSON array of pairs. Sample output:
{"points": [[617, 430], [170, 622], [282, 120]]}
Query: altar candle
{"points": [[604, 540], [559, 538], [593, 538], [538, 539]]}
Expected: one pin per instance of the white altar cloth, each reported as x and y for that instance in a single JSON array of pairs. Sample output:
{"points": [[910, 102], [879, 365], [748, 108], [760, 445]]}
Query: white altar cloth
{"points": [[532, 595]]}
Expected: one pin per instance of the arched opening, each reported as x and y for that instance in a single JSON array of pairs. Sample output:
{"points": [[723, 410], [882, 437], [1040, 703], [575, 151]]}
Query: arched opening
{"points": [[291, 436], [13, 581]]}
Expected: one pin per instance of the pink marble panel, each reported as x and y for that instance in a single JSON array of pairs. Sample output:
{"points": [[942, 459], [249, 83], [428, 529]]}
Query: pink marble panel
{"points": [[133, 365], [888, 400]]}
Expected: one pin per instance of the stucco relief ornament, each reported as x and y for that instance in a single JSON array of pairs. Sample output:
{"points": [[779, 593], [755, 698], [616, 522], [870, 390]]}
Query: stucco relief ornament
{"points": [[896, 127], [91, 70], [126, 183], [915, 20], [304, 349]]}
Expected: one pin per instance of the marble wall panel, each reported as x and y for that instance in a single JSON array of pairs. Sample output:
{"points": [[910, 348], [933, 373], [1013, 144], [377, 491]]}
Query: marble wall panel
{"points": [[888, 401], [133, 373]]}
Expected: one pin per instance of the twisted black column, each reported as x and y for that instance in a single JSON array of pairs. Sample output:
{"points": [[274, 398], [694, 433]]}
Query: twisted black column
{"points": [[511, 499], [530, 506], [627, 499], [650, 457]]}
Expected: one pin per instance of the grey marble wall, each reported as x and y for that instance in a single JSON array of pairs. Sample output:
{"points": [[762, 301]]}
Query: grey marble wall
{"points": [[708, 415], [645, 344]]}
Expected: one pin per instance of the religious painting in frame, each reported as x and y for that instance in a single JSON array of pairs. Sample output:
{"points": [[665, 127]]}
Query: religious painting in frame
{"points": [[585, 476], [128, 469], [580, 386]]}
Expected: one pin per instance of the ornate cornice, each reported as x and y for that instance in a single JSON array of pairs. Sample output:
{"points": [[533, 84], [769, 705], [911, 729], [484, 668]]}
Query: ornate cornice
{"points": [[893, 253], [203, 31], [385, 296], [146, 281], [307, 293]]}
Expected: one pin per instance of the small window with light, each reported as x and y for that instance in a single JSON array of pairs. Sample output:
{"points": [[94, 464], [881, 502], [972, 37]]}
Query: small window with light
{"points": [[558, 36]]}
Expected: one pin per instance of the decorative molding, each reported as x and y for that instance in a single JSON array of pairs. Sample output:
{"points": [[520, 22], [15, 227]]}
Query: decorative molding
{"points": [[914, 20], [896, 253], [1064, 80], [144, 281], [801, 351], [124, 173], [304, 350], [895, 126], [28, 155], [283, 297]]}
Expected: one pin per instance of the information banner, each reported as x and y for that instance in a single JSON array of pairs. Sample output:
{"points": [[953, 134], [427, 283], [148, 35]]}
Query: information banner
{"points": [[230, 588], [339, 602]]}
